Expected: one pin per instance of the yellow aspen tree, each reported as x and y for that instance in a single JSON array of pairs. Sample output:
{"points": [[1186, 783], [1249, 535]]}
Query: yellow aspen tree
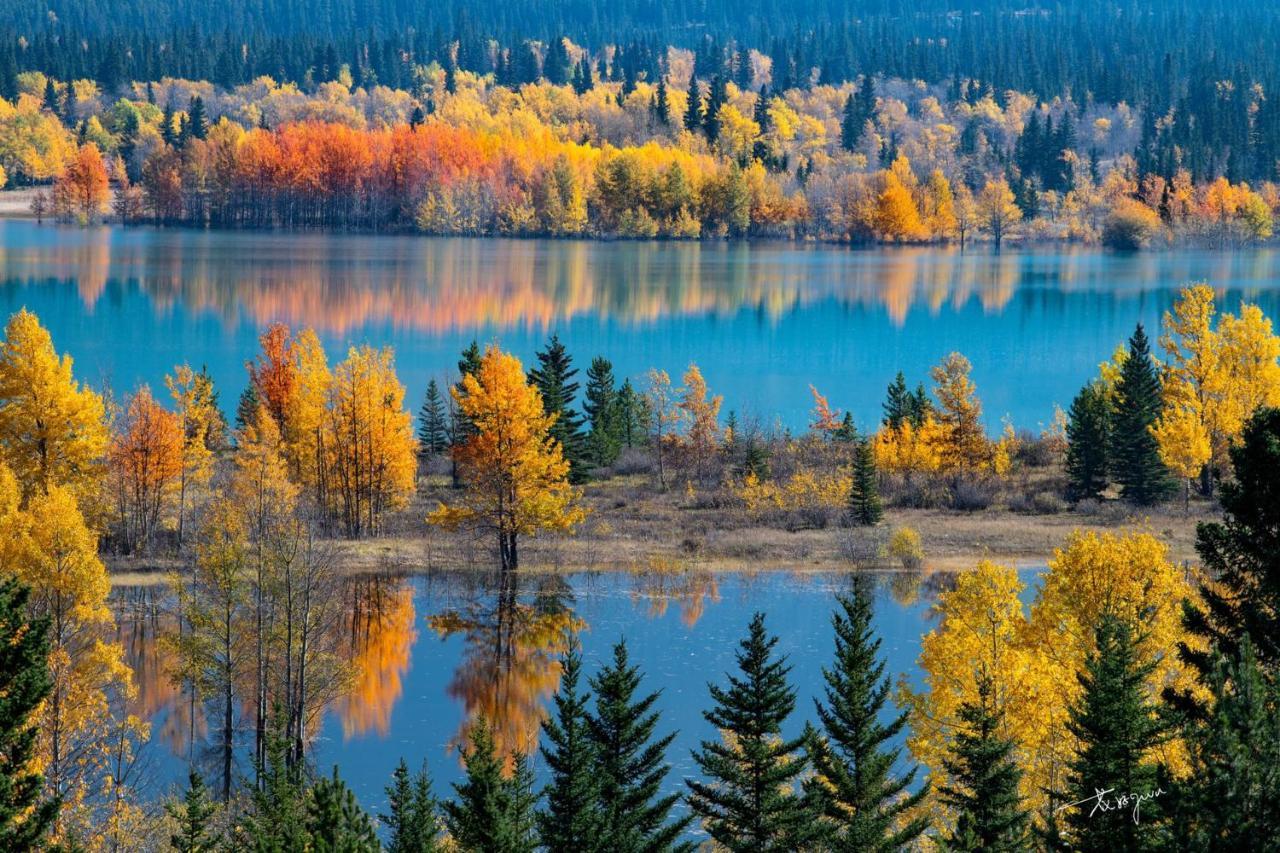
{"points": [[147, 464], [52, 430], [701, 413], [1184, 445], [998, 213], [960, 413], [663, 418], [1251, 361], [896, 216], [1193, 377], [966, 213], [193, 407], [940, 206], [306, 443], [515, 473]]}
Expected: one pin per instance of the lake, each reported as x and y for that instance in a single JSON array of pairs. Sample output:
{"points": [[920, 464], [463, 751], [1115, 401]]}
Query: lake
{"points": [[428, 652], [763, 321]]}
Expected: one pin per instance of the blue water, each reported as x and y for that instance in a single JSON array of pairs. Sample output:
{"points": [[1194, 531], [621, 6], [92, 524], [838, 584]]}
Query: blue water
{"points": [[763, 321], [681, 639]]}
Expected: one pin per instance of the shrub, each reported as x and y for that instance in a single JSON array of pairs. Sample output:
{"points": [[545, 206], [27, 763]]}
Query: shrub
{"points": [[905, 546], [1131, 226], [970, 494]]}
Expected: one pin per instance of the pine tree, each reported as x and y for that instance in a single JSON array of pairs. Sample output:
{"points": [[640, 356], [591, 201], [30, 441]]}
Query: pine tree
{"points": [[247, 407], [335, 821], [554, 379], [920, 408], [756, 459], [693, 108], [864, 496], [193, 814], [277, 818], [631, 416], [1242, 553], [661, 104], [985, 777], [197, 124], [24, 683], [492, 812], [573, 819], [1088, 438], [860, 794], [631, 763], [1231, 798], [897, 403], [1135, 454], [412, 820], [750, 802], [433, 432], [1116, 726], [846, 433], [851, 124], [601, 407]]}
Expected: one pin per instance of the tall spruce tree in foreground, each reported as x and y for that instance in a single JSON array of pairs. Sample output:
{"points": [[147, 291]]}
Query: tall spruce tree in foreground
{"points": [[24, 684], [601, 407], [411, 818], [856, 786], [864, 496], [335, 821], [433, 424], [554, 379], [1242, 553], [193, 814], [1135, 453], [1088, 436], [1231, 798], [631, 763], [750, 801], [493, 812], [1116, 726], [573, 819], [985, 777]]}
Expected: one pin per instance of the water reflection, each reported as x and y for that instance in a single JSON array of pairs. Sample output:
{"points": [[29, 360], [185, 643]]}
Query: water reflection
{"points": [[379, 631]]}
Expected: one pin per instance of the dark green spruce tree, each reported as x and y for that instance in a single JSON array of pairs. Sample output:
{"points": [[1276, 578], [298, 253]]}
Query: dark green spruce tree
{"points": [[194, 813], [750, 800], [492, 812], [1135, 455], [1088, 437], [247, 407], [1116, 725], [604, 441], [985, 775], [862, 796], [24, 683], [864, 495], [1231, 798], [335, 821], [631, 762], [1242, 553], [433, 422], [411, 820], [573, 818], [554, 379], [277, 818], [632, 416]]}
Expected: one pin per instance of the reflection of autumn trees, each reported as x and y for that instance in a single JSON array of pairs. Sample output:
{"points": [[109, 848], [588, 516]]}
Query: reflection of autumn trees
{"points": [[378, 631], [511, 659], [660, 584]]}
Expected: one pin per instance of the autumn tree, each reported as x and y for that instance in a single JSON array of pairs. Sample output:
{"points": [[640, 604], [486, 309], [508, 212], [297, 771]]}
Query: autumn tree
{"points": [[52, 430], [274, 373], [196, 407], [960, 413], [82, 192], [515, 474], [856, 787], [700, 413], [750, 801], [660, 399], [997, 210], [146, 461]]}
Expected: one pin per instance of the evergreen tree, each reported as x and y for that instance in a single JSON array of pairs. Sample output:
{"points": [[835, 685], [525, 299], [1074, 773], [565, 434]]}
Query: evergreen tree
{"points": [[335, 821], [24, 683], [756, 459], [860, 794], [846, 433], [1231, 798], [661, 104], [898, 401], [277, 818], [601, 408], [1116, 726], [864, 496], [850, 124], [573, 819], [193, 814], [631, 763], [433, 425], [716, 99], [1241, 553], [492, 812], [197, 124], [750, 802], [921, 407], [247, 407], [412, 820], [1088, 437], [460, 427], [1135, 454], [985, 777], [693, 108], [554, 379], [632, 416]]}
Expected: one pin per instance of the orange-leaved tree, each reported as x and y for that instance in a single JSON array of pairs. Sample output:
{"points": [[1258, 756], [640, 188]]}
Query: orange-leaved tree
{"points": [[146, 459], [515, 473]]}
